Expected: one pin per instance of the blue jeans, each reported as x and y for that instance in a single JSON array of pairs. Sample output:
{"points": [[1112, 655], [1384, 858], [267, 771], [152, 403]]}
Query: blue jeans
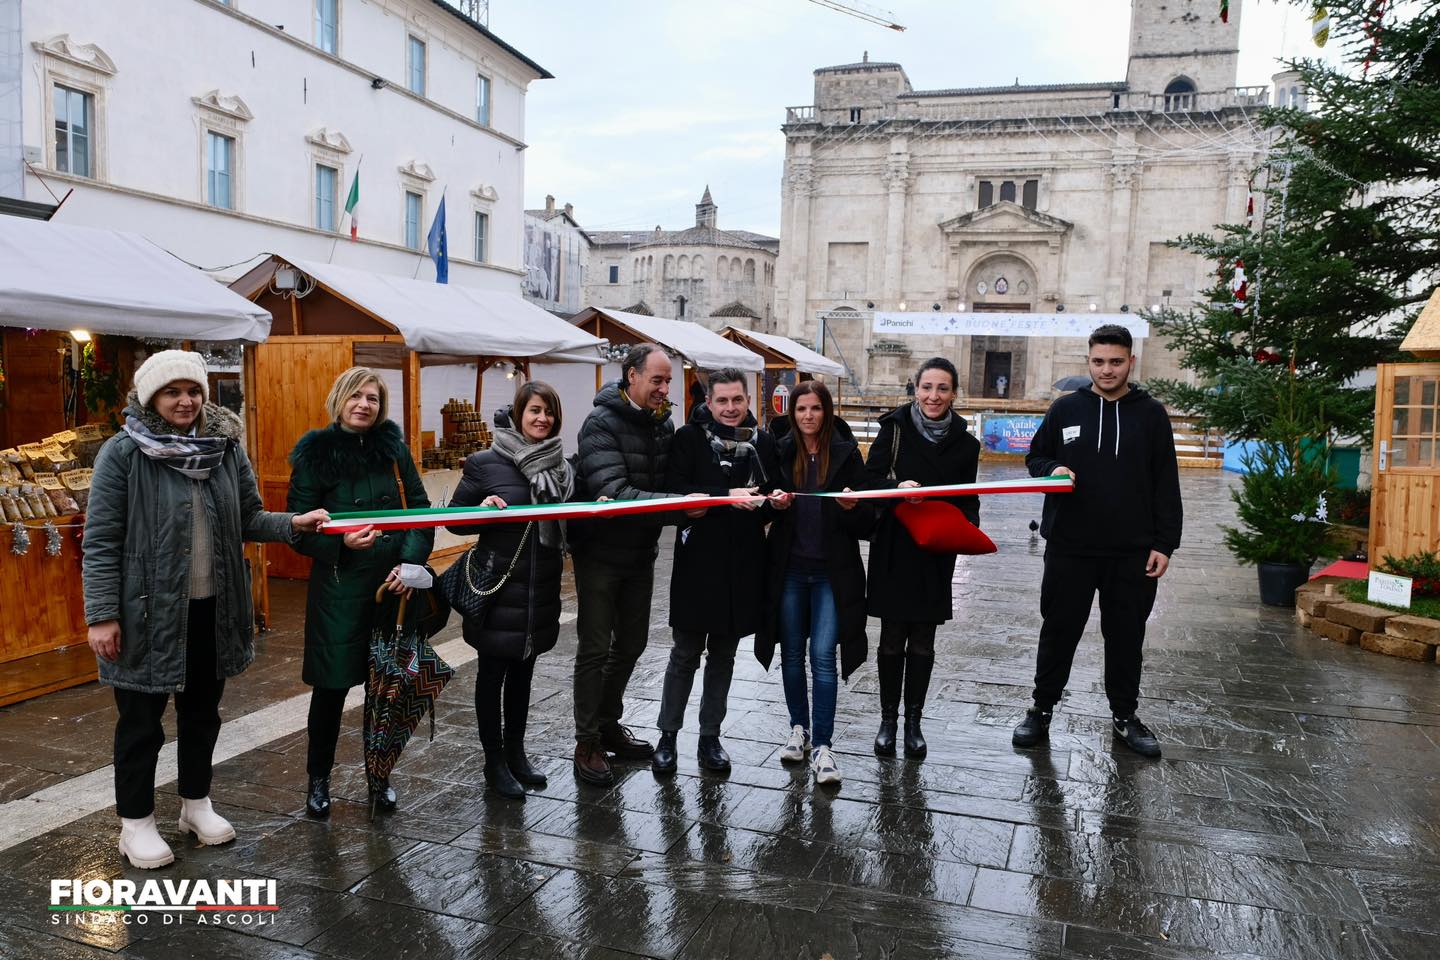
{"points": [[807, 612]]}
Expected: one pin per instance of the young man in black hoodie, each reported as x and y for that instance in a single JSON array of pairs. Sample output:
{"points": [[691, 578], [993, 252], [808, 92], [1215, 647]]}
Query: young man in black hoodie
{"points": [[1114, 534]]}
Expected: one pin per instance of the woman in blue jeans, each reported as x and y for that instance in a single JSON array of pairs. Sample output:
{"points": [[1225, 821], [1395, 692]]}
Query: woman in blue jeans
{"points": [[815, 590]]}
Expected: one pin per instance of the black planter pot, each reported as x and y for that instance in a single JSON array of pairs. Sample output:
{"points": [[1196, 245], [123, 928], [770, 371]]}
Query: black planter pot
{"points": [[1278, 582]]}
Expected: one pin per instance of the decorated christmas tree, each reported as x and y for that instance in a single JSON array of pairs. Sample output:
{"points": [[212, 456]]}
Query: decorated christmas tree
{"points": [[1326, 280]]}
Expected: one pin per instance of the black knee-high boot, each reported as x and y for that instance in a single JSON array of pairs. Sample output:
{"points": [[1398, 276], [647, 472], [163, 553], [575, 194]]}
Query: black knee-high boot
{"points": [[517, 710], [917, 686], [488, 682], [891, 667]]}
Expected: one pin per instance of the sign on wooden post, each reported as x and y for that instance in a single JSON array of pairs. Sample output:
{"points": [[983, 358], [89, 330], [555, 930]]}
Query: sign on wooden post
{"points": [[1389, 589]]}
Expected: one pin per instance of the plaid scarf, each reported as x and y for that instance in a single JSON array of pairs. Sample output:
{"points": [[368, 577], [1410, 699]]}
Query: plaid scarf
{"points": [[192, 456], [734, 450]]}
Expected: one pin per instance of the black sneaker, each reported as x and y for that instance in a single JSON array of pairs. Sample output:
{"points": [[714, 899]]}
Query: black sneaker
{"points": [[1034, 728], [1137, 736]]}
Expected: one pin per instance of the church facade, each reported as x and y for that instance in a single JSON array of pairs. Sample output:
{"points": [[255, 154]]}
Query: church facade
{"points": [[976, 223], [715, 277]]}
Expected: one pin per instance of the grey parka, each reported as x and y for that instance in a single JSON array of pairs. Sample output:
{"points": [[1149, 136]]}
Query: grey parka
{"points": [[137, 555]]}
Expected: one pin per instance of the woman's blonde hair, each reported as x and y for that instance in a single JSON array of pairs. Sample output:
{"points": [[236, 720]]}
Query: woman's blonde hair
{"points": [[352, 380]]}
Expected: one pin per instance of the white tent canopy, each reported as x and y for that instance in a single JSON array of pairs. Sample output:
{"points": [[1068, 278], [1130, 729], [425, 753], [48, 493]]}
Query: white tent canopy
{"points": [[458, 321], [700, 346], [806, 360], [59, 277]]}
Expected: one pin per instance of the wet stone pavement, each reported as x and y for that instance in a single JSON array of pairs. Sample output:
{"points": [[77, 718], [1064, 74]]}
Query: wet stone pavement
{"points": [[1293, 814]]}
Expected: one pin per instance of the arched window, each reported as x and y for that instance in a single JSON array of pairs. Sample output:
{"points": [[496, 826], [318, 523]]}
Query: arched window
{"points": [[722, 269], [682, 267], [1180, 94], [668, 270], [749, 271], [1007, 191]]}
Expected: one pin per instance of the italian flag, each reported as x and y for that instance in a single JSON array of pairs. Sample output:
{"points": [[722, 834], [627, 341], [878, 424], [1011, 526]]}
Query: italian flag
{"points": [[352, 202]]}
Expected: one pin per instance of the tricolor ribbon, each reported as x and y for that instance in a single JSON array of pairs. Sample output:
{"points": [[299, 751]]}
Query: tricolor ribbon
{"points": [[340, 523]]}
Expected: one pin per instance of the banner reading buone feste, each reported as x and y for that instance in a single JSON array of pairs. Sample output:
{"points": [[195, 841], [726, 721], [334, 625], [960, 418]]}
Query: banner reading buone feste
{"points": [[936, 324]]}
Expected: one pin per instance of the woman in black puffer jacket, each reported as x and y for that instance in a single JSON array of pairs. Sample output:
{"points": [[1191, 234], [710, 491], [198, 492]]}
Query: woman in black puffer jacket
{"points": [[522, 619]]}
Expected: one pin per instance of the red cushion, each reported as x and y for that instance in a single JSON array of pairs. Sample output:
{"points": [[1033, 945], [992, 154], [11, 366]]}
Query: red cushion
{"points": [[941, 527]]}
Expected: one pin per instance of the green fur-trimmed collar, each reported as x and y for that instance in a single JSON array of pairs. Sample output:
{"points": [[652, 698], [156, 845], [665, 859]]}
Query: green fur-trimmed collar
{"points": [[332, 453]]}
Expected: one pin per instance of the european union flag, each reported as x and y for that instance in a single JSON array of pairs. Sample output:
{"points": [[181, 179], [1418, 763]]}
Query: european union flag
{"points": [[439, 247]]}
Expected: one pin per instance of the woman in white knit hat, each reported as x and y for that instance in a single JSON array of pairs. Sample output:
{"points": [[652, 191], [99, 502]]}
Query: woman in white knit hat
{"points": [[167, 591]]}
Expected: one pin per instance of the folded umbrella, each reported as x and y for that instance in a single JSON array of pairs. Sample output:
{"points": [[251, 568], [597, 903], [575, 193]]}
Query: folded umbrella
{"points": [[406, 676]]}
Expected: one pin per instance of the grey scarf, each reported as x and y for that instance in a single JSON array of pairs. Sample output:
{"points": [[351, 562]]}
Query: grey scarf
{"points": [[932, 430], [543, 464], [734, 449], [193, 456]]}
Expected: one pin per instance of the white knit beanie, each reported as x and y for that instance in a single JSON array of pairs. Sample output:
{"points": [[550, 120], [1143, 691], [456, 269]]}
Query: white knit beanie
{"points": [[168, 366]]}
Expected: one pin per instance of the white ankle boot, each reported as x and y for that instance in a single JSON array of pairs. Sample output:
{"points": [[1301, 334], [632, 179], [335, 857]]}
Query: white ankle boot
{"points": [[199, 818], [142, 845]]}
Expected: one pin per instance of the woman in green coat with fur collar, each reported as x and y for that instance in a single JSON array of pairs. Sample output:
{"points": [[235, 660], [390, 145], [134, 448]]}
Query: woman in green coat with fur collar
{"points": [[357, 463]]}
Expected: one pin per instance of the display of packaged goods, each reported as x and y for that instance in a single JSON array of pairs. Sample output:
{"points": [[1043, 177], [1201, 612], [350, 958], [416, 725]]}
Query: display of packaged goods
{"points": [[60, 498], [8, 506], [78, 483]]}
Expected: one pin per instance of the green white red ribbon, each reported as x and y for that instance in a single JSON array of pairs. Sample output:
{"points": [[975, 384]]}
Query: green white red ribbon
{"points": [[340, 523]]}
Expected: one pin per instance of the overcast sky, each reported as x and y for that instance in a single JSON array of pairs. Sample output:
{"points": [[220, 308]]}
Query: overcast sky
{"points": [[653, 99]]}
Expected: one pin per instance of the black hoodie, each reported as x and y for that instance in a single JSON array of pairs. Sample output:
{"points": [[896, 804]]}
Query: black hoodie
{"points": [[1127, 481]]}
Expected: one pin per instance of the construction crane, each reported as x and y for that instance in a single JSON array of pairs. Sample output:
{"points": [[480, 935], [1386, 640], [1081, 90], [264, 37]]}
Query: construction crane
{"points": [[477, 10], [863, 11]]}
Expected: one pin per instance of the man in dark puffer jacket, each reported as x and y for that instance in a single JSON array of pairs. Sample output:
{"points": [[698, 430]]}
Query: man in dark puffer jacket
{"points": [[624, 449]]}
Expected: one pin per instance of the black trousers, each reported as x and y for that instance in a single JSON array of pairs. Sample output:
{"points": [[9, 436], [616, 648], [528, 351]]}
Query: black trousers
{"points": [[680, 677], [613, 628], [139, 734], [502, 686], [899, 637], [1067, 592], [327, 706]]}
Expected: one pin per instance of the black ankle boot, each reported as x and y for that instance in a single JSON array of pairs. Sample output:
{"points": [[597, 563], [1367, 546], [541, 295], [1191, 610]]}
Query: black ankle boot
{"points": [[499, 778], [915, 746], [384, 799], [664, 759], [892, 670], [520, 767], [317, 799], [917, 688]]}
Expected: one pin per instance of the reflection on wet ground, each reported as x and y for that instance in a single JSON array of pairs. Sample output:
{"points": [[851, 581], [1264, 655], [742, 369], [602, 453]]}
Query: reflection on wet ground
{"points": [[1293, 815]]}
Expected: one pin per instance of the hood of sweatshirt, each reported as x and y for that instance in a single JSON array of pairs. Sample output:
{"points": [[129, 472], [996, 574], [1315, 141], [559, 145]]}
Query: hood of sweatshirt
{"points": [[1107, 414]]}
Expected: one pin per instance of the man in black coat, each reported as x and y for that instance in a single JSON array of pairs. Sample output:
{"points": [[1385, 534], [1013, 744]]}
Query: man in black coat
{"points": [[1114, 534], [718, 581], [624, 450]]}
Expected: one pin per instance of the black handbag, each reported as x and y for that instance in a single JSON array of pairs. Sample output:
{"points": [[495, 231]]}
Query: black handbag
{"points": [[476, 577]]}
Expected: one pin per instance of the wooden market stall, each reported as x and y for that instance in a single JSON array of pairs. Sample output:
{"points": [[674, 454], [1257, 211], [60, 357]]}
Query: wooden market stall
{"points": [[329, 318], [699, 349], [786, 364], [1405, 486], [64, 290]]}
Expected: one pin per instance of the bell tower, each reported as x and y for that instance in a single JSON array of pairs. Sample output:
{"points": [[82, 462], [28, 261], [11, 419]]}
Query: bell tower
{"points": [[1179, 42]]}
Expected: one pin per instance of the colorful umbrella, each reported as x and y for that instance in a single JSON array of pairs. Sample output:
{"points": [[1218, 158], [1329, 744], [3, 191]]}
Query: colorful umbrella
{"points": [[406, 676]]}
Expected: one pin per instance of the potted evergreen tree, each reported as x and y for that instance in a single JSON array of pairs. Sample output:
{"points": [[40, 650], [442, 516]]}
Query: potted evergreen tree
{"points": [[1282, 509]]}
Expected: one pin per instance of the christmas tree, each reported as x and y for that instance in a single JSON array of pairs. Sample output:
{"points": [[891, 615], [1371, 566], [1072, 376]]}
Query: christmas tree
{"points": [[1328, 280]]}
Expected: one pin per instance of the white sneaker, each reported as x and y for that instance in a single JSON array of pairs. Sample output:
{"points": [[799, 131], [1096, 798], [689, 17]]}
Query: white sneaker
{"points": [[796, 747], [825, 767], [199, 818], [142, 845]]}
